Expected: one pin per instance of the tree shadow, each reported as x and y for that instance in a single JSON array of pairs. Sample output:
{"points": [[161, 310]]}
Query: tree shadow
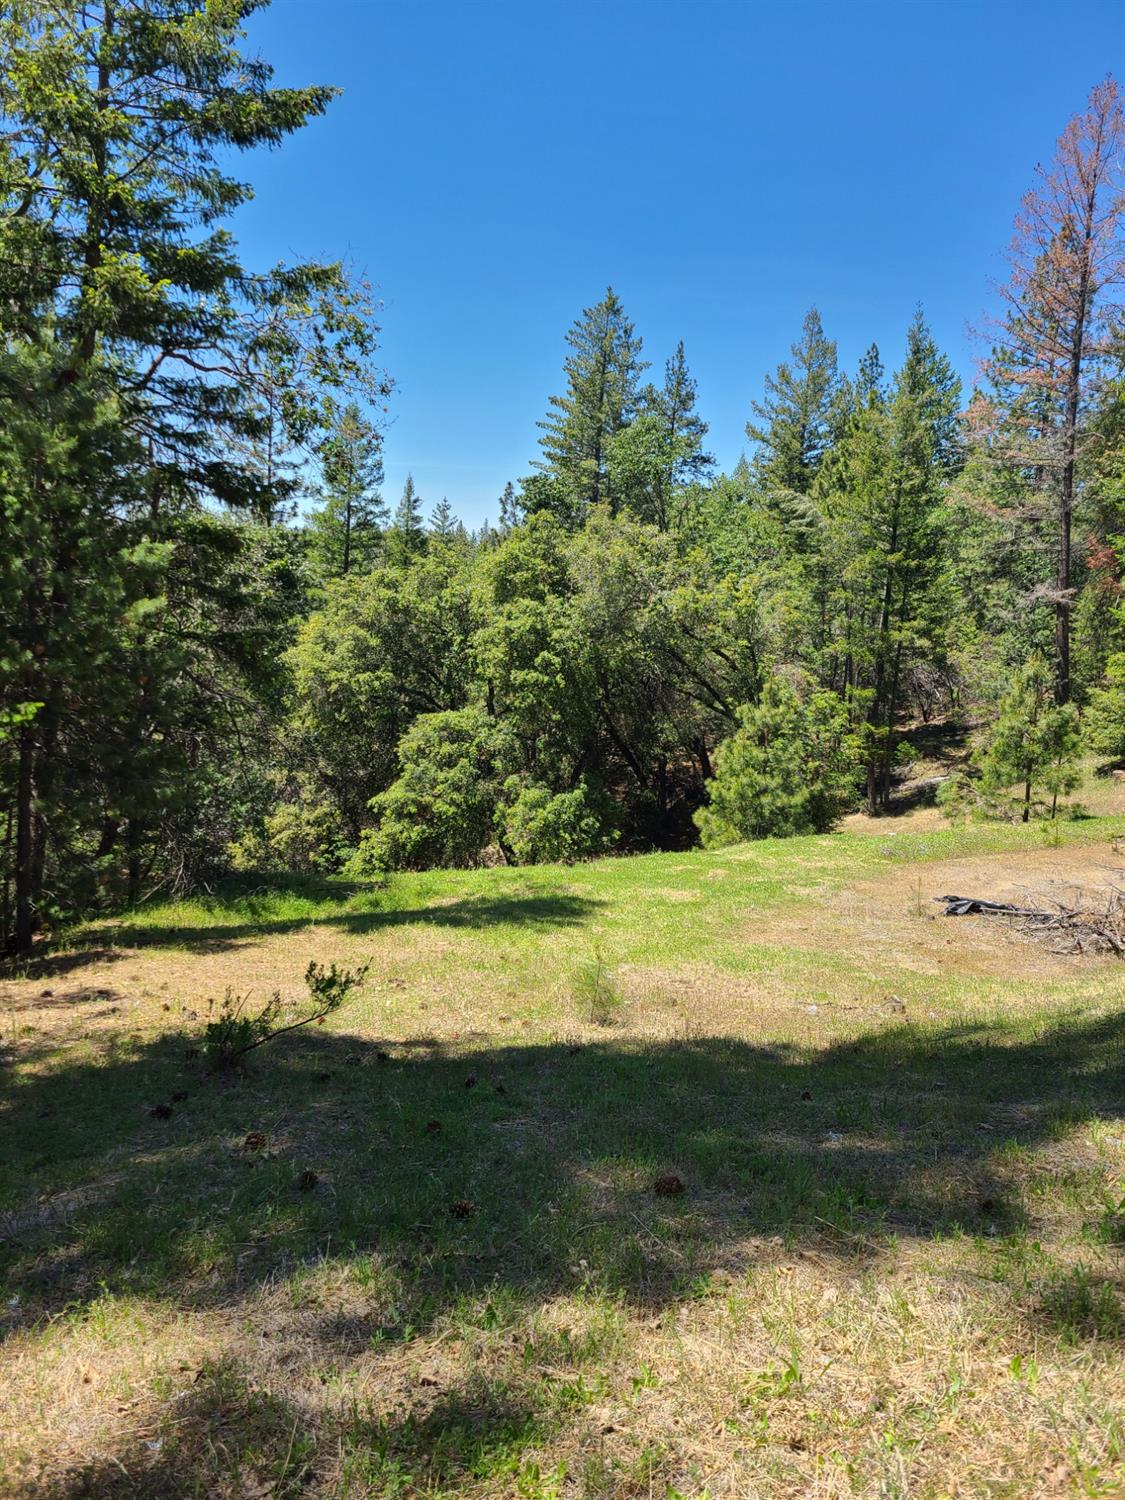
{"points": [[472, 912], [897, 1131], [439, 1176], [229, 1434]]}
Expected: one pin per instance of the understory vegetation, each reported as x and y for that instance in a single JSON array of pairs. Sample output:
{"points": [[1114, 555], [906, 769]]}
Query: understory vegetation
{"points": [[223, 652]]}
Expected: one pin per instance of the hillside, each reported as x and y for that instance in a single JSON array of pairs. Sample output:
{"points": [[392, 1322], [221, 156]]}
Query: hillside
{"points": [[883, 1257]]}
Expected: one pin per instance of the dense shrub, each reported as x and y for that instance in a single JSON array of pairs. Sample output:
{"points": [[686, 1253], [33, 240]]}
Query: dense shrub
{"points": [[789, 768], [439, 812], [541, 827]]}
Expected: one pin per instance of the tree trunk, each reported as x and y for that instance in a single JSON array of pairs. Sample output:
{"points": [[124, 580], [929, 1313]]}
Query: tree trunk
{"points": [[24, 926], [1027, 800]]}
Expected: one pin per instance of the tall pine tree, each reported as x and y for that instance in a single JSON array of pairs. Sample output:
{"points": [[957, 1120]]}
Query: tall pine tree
{"points": [[602, 375], [347, 531]]}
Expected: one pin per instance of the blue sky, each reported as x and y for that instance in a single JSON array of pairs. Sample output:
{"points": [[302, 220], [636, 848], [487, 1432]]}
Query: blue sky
{"points": [[493, 165]]}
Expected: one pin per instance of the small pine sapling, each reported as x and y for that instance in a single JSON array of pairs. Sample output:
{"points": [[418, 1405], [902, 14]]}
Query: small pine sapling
{"points": [[236, 1030]]}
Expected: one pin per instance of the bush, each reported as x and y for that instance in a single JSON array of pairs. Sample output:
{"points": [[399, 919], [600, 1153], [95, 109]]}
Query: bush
{"points": [[440, 811], [789, 768], [541, 827]]}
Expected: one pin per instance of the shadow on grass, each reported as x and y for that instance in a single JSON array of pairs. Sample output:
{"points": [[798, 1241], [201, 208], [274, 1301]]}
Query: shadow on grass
{"points": [[516, 1173], [228, 1430], [473, 912]]}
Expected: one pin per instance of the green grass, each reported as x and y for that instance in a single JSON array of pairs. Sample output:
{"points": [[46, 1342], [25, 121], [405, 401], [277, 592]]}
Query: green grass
{"points": [[481, 1294]]}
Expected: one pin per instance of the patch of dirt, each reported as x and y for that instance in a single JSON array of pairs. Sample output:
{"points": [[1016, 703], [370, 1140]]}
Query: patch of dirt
{"points": [[894, 919]]}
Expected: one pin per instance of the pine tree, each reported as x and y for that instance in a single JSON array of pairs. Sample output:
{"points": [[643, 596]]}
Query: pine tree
{"points": [[1034, 740], [793, 425], [788, 768], [443, 523], [511, 511], [347, 531], [1063, 303], [881, 491], [602, 375], [117, 277], [407, 536], [663, 447]]}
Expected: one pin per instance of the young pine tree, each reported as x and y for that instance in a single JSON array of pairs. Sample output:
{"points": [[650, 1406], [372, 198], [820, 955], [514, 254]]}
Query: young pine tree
{"points": [[347, 531], [789, 768], [1034, 741]]}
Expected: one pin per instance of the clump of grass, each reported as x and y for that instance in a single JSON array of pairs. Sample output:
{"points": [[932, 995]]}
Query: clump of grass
{"points": [[237, 1030], [596, 990], [1081, 1305]]}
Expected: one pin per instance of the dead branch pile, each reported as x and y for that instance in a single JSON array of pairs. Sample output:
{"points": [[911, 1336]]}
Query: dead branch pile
{"points": [[1073, 929]]}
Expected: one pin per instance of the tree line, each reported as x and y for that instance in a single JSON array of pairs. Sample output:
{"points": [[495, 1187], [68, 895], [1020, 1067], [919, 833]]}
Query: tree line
{"points": [[222, 649]]}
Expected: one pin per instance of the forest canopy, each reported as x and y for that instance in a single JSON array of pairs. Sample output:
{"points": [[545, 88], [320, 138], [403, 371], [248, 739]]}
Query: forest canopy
{"points": [[224, 648]]}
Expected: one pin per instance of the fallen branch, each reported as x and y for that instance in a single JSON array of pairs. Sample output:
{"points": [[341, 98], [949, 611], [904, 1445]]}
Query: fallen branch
{"points": [[1087, 931]]}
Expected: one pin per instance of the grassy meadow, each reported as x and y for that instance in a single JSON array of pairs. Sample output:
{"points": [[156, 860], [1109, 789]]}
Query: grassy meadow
{"points": [[736, 1173]]}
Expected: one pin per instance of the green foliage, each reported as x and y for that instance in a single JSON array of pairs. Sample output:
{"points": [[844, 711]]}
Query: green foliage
{"points": [[346, 532], [1104, 721], [302, 836], [382, 648], [542, 827], [237, 1030], [440, 810], [596, 990], [789, 768], [602, 374], [1034, 741]]}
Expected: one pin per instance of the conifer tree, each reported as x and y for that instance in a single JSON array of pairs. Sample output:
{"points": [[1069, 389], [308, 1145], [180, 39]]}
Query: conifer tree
{"points": [[656, 457], [881, 491], [117, 278], [347, 531], [602, 374], [792, 424], [1034, 741], [407, 536], [1062, 304], [443, 523], [511, 511]]}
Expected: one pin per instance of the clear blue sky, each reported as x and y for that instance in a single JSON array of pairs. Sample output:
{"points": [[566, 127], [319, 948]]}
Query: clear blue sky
{"points": [[493, 164]]}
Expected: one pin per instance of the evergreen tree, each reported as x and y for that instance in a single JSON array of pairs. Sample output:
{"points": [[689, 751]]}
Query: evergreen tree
{"points": [[656, 457], [1063, 305], [881, 490], [602, 374], [346, 532], [443, 523], [1034, 741], [117, 277], [407, 535], [792, 424], [788, 768], [511, 511]]}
